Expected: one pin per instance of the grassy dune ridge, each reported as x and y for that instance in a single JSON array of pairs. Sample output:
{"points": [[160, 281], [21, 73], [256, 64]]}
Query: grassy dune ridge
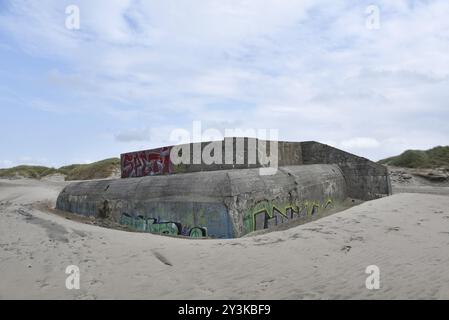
{"points": [[437, 157], [96, 170]]}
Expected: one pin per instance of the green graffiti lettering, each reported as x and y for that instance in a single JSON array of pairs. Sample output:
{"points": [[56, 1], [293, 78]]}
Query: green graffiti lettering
{"points": [[152, 225], [266, 214], [198, 232]]}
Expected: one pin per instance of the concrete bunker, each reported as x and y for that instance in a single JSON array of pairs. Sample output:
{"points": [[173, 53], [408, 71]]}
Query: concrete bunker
{"points": [[226, 200]]}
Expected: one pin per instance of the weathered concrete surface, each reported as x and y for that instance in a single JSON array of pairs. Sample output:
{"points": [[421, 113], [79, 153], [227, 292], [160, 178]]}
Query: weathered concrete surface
{"points": [[231, 153], [222, 202], [230, 200], [366, 180]]}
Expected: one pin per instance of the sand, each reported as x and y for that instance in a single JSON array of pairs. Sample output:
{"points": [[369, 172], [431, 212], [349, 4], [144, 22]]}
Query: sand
{"points": [[405, 235]]}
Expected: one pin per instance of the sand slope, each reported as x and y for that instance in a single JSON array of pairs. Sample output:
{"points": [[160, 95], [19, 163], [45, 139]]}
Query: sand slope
{"points": [[405, 235]]}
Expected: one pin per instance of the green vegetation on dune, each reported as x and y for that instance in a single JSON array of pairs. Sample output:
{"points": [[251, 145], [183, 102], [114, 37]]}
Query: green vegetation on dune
{"points": [[97, 170], [27, 171], [433, 158]]}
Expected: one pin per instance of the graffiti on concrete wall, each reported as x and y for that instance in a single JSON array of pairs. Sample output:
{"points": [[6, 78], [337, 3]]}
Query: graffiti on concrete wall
{"points": [[267, 214], [146, 163], [153, 225]]}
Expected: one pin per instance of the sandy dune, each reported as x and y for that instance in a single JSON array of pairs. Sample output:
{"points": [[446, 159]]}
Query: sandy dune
{"points": [[405, 235], [405, 180]]}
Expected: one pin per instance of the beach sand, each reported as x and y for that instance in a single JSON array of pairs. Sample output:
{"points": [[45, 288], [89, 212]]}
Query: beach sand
{"points": [[405, 235]]}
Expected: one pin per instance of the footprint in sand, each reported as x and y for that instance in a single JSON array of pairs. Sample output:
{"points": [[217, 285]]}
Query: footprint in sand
{"points": [[393, 229], [298, 235], [265, 283], [356, 238]]}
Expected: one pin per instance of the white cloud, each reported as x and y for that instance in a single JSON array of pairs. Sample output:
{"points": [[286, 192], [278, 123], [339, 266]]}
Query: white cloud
{"points": [[360, 142], [308, 68], [6, 163], [133, 135]]}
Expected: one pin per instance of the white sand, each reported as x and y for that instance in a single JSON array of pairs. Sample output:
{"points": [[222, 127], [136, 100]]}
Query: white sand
{"points": [[406, 236]]}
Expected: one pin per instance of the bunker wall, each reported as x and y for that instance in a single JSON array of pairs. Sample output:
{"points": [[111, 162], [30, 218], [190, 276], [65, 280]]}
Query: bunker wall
{"points": [[219, 204], [365, 180]]}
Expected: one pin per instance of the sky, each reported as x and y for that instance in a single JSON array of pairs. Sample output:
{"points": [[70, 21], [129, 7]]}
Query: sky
{"points": [[373, 82]]}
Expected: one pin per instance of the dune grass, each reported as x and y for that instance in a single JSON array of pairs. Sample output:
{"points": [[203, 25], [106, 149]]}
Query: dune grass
{"points": [[97, 170], [27, 171], [432, 158]]}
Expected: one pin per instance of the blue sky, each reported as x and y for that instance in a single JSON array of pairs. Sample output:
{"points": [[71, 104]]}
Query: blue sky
{"points": [[137, 70]]}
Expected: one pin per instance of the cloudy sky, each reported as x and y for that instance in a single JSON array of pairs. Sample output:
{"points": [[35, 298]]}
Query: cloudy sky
{"points": [[136, 70]]}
